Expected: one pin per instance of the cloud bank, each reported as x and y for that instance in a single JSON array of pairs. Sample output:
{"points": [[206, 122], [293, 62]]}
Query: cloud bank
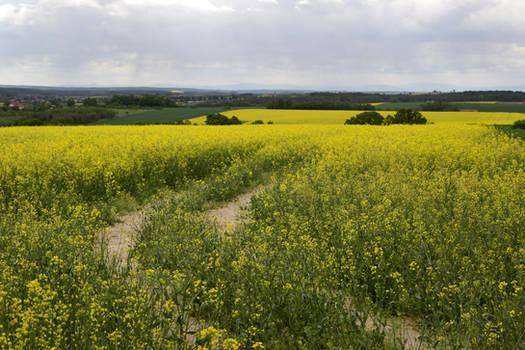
{"points": [[319, 44]]}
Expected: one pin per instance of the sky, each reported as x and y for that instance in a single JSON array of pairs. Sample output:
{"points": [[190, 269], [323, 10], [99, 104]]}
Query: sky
{"points": [[413, 45]]}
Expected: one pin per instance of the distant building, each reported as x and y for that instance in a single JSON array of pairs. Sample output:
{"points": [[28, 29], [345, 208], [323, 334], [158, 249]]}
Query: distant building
{"points": [[16, 105]]}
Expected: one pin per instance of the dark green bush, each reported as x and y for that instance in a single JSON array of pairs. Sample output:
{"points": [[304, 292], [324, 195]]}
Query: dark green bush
{"points": [[57, 116], [258, 122], [519, 124], [90, 102], [406, 116], [221, 119], [234, 120], [371, 118], [32, 122]]}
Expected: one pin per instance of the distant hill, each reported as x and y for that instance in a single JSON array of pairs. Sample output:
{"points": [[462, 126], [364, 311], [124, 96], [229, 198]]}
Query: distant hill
{"points": [[296, 94], [6, 90]]}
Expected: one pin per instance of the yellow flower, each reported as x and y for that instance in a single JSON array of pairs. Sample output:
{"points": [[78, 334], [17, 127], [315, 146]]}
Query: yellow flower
{"points": [[258, 345], [230, 344]]}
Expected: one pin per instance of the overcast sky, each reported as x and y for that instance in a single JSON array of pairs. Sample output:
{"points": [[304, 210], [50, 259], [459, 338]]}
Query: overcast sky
{"points": [[316, 44]]}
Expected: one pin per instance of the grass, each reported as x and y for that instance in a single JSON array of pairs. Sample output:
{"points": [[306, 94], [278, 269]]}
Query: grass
{"points": [[389, 106], [127, 112], [492, 107], [165, 115], [485, 102], [8, 119], [279, 116]]}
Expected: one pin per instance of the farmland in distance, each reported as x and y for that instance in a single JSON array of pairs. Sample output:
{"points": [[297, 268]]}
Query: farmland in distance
{"points": [[159, 116], [286, 116]]}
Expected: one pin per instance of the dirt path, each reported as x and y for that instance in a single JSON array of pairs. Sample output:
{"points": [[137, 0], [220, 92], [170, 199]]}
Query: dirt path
{"points": [[407, 330], [234, 213], [120, 236], [120, 239], [412, 336]]}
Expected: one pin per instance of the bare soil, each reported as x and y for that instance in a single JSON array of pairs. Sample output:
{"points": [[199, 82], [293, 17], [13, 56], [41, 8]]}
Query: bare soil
{"points": [[234, 213], [120, 236]]}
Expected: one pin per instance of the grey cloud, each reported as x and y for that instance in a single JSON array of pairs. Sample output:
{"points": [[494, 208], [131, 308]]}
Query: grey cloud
{"points": [[316, 44]]}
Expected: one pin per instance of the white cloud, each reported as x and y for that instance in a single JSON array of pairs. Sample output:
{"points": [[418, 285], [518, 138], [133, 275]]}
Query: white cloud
{"points": [[326, 43], [199, 5], [16, 15]]}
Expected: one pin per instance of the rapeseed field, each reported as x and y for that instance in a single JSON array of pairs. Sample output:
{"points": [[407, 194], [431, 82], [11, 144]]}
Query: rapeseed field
{"points": [[361, 232], [288, 116]]}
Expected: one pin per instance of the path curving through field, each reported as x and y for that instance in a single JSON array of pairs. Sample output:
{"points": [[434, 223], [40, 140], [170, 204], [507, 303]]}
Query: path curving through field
{"points": [[233, 214], [120, 237]]}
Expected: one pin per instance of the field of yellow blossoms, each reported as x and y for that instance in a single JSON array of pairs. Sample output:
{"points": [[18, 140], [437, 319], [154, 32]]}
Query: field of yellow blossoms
{"points": [[290, 116], [388, 237]]}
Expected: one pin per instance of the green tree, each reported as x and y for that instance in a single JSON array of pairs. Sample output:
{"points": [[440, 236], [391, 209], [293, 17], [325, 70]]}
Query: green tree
{"points": [[41, 106], [32, 122], [407, 116], [234, 120], [389, 120], [370, 118], [90, 102], [221, 119], [70, 102], [280, 103], [519, 124]]}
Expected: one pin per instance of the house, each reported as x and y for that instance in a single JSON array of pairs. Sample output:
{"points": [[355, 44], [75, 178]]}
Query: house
{"points": [[16, 105]]}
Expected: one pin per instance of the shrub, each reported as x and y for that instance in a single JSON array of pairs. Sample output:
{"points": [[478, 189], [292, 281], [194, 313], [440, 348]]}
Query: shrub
{"points": [[90, 102], [234, 120], [258, 122], [519, 124], [371, 118], [221, 119], [216, 119], [406, 116], [176, 122], [32, 122]]}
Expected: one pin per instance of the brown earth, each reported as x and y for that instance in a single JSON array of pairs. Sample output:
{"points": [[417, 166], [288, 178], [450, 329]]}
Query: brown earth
{"points": [[234, 213]]}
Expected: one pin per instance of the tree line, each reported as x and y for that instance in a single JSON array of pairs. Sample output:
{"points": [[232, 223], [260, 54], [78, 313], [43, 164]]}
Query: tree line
{"points": [[316, 104], [403, 116], [141, 101], [55, 116], [474, 96]]}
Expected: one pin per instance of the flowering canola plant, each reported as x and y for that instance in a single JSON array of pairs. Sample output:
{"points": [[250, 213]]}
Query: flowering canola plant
{"points": [[359, 225], [289, 116]]}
